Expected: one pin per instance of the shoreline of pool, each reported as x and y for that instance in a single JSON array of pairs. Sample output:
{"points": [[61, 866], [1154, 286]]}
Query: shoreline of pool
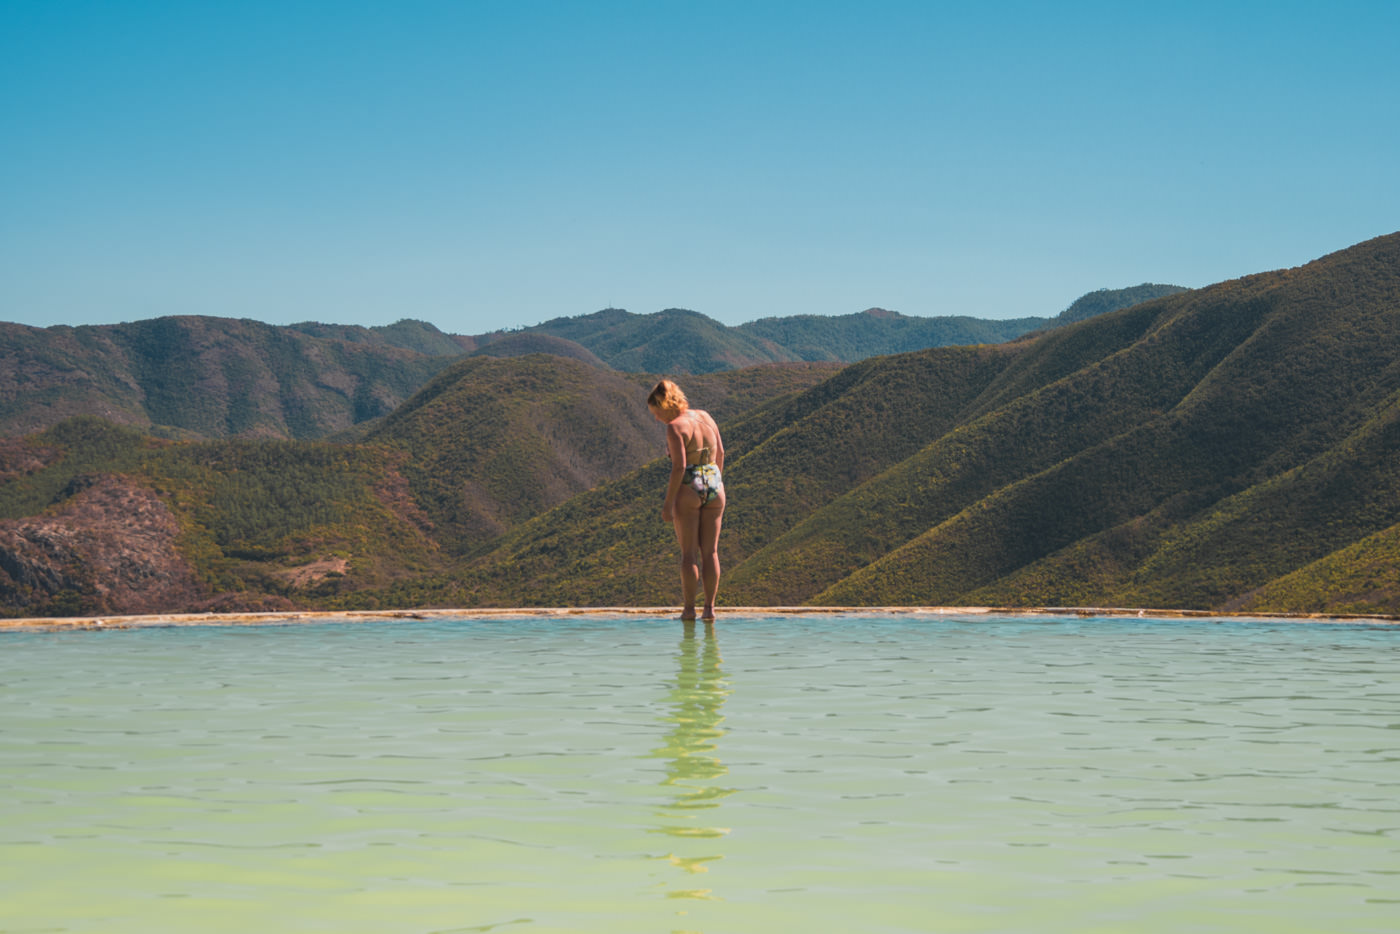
{"points": [[663, 614]]}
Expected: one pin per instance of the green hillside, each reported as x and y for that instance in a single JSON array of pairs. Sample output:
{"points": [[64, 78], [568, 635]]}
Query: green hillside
{"points": [[679, 341], [784, 460], [877, 332], [526, 343], [1102, 301], [101, 518], [671, 341], [1221, 448], [203, 377], [1291, 376], [496, 441], [1230, 448], [256, 524], [1356, 579], [418, 336]]}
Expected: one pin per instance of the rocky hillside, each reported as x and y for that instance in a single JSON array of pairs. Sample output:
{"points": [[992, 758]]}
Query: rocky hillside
{"points": [[109, 547]]}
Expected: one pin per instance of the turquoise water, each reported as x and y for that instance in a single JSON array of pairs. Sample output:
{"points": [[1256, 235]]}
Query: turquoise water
{"points": [[624, 774]]}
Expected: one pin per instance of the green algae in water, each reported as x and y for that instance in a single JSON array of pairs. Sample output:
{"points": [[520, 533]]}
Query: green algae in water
{"points": [[596, 774]]}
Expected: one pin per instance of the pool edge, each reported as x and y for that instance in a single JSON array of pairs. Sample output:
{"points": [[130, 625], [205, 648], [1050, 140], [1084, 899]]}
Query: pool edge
{"points": [[290, 617]]}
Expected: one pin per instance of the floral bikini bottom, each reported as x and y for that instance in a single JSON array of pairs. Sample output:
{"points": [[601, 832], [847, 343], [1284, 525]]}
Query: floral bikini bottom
{"points": [[705, 480]]}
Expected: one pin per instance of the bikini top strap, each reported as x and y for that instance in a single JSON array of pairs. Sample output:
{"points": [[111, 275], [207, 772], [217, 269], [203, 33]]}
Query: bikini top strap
{"points": [[702, 456]]}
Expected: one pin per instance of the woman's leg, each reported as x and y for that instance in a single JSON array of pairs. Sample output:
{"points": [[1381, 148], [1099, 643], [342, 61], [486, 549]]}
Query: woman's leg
{"points": [[710, 519], [687, 523]]}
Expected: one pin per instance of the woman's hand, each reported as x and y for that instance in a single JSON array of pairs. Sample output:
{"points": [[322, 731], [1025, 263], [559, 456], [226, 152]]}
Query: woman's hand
{"points": [[668, 513]]}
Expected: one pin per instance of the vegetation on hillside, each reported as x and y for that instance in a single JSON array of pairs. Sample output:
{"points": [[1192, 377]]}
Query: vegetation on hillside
{"points": [[406, 334], [1102, 301], [1211, 449], [526, 343], [380, 522], [253, 514], [202, 377], [877, 332], [194, 377], [670, 341], [496, 441], [1229, 448]]}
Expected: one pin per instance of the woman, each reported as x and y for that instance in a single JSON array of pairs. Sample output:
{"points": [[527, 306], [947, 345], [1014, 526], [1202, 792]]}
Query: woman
{"points": [[695, 492]]}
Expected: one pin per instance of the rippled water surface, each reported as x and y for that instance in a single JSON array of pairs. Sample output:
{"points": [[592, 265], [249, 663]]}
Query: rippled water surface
{"points": [[787, 773]]}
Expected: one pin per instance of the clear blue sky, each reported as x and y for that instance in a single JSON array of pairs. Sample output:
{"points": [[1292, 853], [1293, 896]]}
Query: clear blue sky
{"points": [[485, 164]]}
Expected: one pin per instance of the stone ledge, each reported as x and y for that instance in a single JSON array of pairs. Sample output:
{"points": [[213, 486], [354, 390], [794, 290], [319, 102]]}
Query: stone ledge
{"points": [[668, 614]]}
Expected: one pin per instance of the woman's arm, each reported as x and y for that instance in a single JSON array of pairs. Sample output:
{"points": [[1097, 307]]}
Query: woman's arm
{"points": [[675, 446]]}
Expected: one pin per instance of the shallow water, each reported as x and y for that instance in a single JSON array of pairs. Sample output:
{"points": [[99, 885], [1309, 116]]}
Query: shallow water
{"points": [[624, 774]]}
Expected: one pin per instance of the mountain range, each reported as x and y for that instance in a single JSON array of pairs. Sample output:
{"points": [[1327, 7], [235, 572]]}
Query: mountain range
{"points": [[201, 377], [1231, 448]]}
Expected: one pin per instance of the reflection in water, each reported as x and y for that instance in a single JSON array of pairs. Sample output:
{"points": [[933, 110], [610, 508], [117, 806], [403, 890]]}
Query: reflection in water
{"points": [[693, 769]]}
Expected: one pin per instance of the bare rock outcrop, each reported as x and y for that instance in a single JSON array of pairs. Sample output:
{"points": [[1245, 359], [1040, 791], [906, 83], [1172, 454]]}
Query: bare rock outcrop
{"points": [[108, 547]]}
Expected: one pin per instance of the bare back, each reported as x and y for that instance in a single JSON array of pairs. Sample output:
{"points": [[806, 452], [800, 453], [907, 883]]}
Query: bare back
{"points": [[700, 435]]}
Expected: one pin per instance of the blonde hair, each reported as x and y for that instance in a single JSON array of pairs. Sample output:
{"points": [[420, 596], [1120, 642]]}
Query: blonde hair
{"points": [[669, 398]]}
